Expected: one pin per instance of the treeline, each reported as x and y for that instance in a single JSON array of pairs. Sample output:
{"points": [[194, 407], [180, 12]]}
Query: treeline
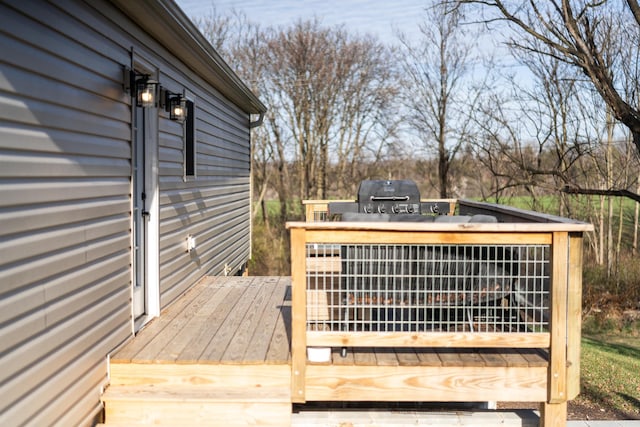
{"points": [[447, 111]]}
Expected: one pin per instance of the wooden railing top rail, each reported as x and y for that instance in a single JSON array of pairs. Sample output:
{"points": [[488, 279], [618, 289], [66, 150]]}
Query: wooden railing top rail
{"points": [[469, 227]]}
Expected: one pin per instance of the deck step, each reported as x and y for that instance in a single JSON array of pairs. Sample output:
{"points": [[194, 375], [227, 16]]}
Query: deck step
{"points": [[138, 405]]}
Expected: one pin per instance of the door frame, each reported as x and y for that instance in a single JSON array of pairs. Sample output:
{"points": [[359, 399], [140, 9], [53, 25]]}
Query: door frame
{"points": [[152, 236]]}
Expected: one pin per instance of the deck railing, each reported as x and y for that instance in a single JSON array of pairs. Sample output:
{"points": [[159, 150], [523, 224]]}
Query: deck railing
{"points": [[514, 284]]}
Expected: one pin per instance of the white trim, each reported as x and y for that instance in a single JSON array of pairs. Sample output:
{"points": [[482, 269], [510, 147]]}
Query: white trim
{"points": [[152, 251]]}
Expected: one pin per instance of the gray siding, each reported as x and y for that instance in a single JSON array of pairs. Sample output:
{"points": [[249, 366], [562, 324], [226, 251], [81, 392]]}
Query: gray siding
{"points": [[64, 215], [214, 206], [65, 207]]}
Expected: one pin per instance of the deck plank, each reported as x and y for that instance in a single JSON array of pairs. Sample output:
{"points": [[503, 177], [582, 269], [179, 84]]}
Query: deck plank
{"points": [[200, 339], [407, 357], [196, 324], [157, 325], [363, 356], [263, 334], [386, 357], [254, 334], [428, 357], [280, 346], [233, 321], [176, 329]]}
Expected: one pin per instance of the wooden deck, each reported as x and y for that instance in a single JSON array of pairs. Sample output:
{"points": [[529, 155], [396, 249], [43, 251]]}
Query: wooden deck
{"points": [[219, 355], [223, 351], [221, 320]]}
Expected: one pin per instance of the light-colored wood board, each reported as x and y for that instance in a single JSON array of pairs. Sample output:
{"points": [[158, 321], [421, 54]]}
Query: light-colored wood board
{"points": [[553, 415], [441, 227], [196, 324], [558, 318], [232, 322], [328, 264], [428, 339], [177, 328], [155, 327], [574, 315], [200, 339], [160, 393], [197, 413], [242, 339], [317, 307], [298, 315], [451, 384], [458, 234], [263, 335], [280, 346], [201, 376]]}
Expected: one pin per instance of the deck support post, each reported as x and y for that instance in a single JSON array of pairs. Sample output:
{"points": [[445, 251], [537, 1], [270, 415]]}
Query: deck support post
{"points": [[574, 315], [298, 315], [553, 414]]}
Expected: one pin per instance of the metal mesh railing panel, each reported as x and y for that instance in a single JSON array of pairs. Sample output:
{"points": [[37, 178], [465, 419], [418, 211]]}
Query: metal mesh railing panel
{"points": [[448, 288]]}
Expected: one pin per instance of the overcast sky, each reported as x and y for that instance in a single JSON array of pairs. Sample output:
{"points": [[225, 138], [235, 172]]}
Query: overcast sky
{"points": [[378, 17]]}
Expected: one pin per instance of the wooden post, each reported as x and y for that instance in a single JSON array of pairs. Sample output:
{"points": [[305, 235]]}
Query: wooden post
{"points": [[553, 415], [574, 315], [557, 377], [298, 315]]}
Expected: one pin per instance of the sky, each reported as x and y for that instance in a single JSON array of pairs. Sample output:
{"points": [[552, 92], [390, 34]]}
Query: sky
{"points": [[377, 17]]}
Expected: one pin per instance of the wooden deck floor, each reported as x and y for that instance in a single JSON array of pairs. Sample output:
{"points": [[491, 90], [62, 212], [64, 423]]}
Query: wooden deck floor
{"points": [[223, 349], [247, 320], [221, 320]]}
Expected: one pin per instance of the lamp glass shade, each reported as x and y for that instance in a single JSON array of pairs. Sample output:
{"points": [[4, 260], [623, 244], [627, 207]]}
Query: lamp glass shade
{"points": [[146, 93], [177, 108]]}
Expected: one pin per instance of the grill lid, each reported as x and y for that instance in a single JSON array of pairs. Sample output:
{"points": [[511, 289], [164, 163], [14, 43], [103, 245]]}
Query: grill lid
{"points": [[389, 196]]}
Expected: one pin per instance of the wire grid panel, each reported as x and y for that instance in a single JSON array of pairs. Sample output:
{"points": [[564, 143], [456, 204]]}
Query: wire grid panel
{"points": [[448, 288]]}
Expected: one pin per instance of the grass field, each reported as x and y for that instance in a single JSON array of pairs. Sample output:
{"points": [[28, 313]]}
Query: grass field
{"points": [[610, 376]]}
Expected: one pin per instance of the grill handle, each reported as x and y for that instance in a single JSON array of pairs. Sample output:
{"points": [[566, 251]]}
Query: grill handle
{"points": [[388, 198]]}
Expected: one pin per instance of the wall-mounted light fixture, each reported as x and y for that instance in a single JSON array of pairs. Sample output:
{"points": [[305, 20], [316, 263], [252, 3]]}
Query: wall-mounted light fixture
{"points": [[174, 104], [178, 108], [142, 87], [146, 91]]}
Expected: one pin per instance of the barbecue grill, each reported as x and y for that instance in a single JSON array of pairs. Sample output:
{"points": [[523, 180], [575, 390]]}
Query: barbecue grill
{"points": [[413, 287], [387, 200]]}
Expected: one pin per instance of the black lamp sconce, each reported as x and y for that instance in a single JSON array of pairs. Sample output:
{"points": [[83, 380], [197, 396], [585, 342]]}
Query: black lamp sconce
{"points": [[175, 104], [142, 87], [149, 93]]}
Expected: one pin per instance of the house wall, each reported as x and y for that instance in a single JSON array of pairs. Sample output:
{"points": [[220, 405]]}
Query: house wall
{"points": [[65, 205]]}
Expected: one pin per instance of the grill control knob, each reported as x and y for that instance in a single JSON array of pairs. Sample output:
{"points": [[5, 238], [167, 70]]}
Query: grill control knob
{"points": [[382, 209], [395, 209], [410, 209], [368, 208]]}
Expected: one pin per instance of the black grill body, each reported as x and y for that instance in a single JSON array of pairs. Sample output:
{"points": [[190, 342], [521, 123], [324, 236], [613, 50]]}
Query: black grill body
{"points": [[387, 200], [389, 197]]}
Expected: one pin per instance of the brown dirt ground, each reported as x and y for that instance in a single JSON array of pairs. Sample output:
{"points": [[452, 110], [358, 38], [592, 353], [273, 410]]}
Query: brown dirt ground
{"points": [[578, 410]]}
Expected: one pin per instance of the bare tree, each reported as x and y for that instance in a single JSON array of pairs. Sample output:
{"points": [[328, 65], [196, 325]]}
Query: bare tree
{"points": [[577, 32], [439, 96]]}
